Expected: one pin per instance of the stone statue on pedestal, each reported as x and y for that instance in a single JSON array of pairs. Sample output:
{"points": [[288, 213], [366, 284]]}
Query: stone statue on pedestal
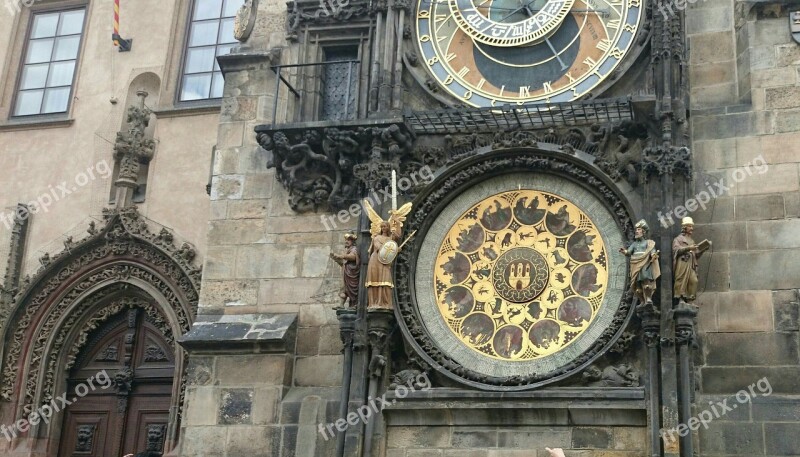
{"points": [[383, 249], [350, 262], [685, 253], [645, 269]]}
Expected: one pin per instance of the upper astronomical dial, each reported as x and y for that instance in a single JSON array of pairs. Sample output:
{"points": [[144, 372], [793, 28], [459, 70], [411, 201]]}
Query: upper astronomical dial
{"points": [[492, 52], [500, 23]]}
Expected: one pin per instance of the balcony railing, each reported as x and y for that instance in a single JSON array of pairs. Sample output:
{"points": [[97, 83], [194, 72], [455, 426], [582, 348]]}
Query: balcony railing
{"points": [[519, 117], [349, 105]]}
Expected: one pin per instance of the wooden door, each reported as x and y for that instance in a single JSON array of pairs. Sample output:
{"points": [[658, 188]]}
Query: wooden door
{"points": [[125, 408]]}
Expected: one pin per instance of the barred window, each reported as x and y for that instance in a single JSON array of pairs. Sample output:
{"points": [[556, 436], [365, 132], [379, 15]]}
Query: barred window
{"points": [[51, 56], [210, 35], [340, 78]]}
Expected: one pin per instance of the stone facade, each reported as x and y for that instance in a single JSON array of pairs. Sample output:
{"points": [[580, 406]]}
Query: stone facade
{"points": [[744, 65]]}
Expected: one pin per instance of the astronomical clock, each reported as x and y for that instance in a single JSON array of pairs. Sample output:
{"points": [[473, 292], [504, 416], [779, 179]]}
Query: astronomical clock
{"points": [[517, 281], [496, 52], [517, 278]]}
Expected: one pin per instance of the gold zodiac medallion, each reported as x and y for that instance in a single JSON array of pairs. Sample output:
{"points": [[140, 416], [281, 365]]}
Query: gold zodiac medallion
{"points": [[520, 275]]}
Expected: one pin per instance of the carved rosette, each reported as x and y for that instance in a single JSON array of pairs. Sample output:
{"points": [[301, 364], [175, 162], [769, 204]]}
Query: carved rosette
{"points": [[107, 261]]}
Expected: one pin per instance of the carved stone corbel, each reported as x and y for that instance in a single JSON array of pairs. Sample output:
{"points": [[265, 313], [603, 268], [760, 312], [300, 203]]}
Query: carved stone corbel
{"points": [[322, 167]]}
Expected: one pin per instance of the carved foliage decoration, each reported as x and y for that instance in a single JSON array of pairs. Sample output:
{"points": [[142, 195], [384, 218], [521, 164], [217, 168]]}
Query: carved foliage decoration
{"points": [[154, 353], [528, 161], [326, 12], [106, 256], [109, 354], [322, 167], [622, 375], [617, 147], [661, 160]]}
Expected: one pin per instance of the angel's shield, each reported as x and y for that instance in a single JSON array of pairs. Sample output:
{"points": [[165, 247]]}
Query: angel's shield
{"points": [[388, 252]]}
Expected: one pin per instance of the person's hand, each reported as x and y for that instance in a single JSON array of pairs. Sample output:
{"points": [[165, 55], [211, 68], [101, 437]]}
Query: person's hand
{"points": [[622, 250], [557, 452]]}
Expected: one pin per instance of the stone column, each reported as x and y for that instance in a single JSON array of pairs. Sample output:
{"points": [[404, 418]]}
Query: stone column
{"points": [[347, 329], [684, 338], [379, 322], [651, 326]]}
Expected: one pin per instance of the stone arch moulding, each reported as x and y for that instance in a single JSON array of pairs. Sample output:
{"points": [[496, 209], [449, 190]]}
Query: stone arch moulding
{"points": [[484, 163], [118, 266]]}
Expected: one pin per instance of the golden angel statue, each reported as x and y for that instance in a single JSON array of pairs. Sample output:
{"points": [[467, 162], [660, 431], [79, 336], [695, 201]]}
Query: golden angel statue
{"points": [[382, 251]]}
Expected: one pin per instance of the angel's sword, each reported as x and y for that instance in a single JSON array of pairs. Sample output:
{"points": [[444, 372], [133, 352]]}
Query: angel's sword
{"points": [[394, 190], [407, 240]]}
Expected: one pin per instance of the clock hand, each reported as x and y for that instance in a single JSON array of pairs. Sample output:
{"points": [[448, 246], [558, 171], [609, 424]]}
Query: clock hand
{"points": [[515, 11], [558, 57]]}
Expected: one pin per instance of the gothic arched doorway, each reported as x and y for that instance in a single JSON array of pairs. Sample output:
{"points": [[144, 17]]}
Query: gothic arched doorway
{"points": [[70, 322], [126, 370]]}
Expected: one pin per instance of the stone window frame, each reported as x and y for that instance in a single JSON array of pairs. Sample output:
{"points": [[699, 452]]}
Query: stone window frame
{"points": [[12, 75], [170, 104], [217, 44], [314, 51]]}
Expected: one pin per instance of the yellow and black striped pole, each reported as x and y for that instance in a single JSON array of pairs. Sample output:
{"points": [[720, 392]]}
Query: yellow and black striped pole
{"points": [[116, 23]]}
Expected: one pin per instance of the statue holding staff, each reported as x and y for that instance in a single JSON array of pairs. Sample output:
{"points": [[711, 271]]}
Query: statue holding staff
{"points": [[645, 269], [350, 262]]}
